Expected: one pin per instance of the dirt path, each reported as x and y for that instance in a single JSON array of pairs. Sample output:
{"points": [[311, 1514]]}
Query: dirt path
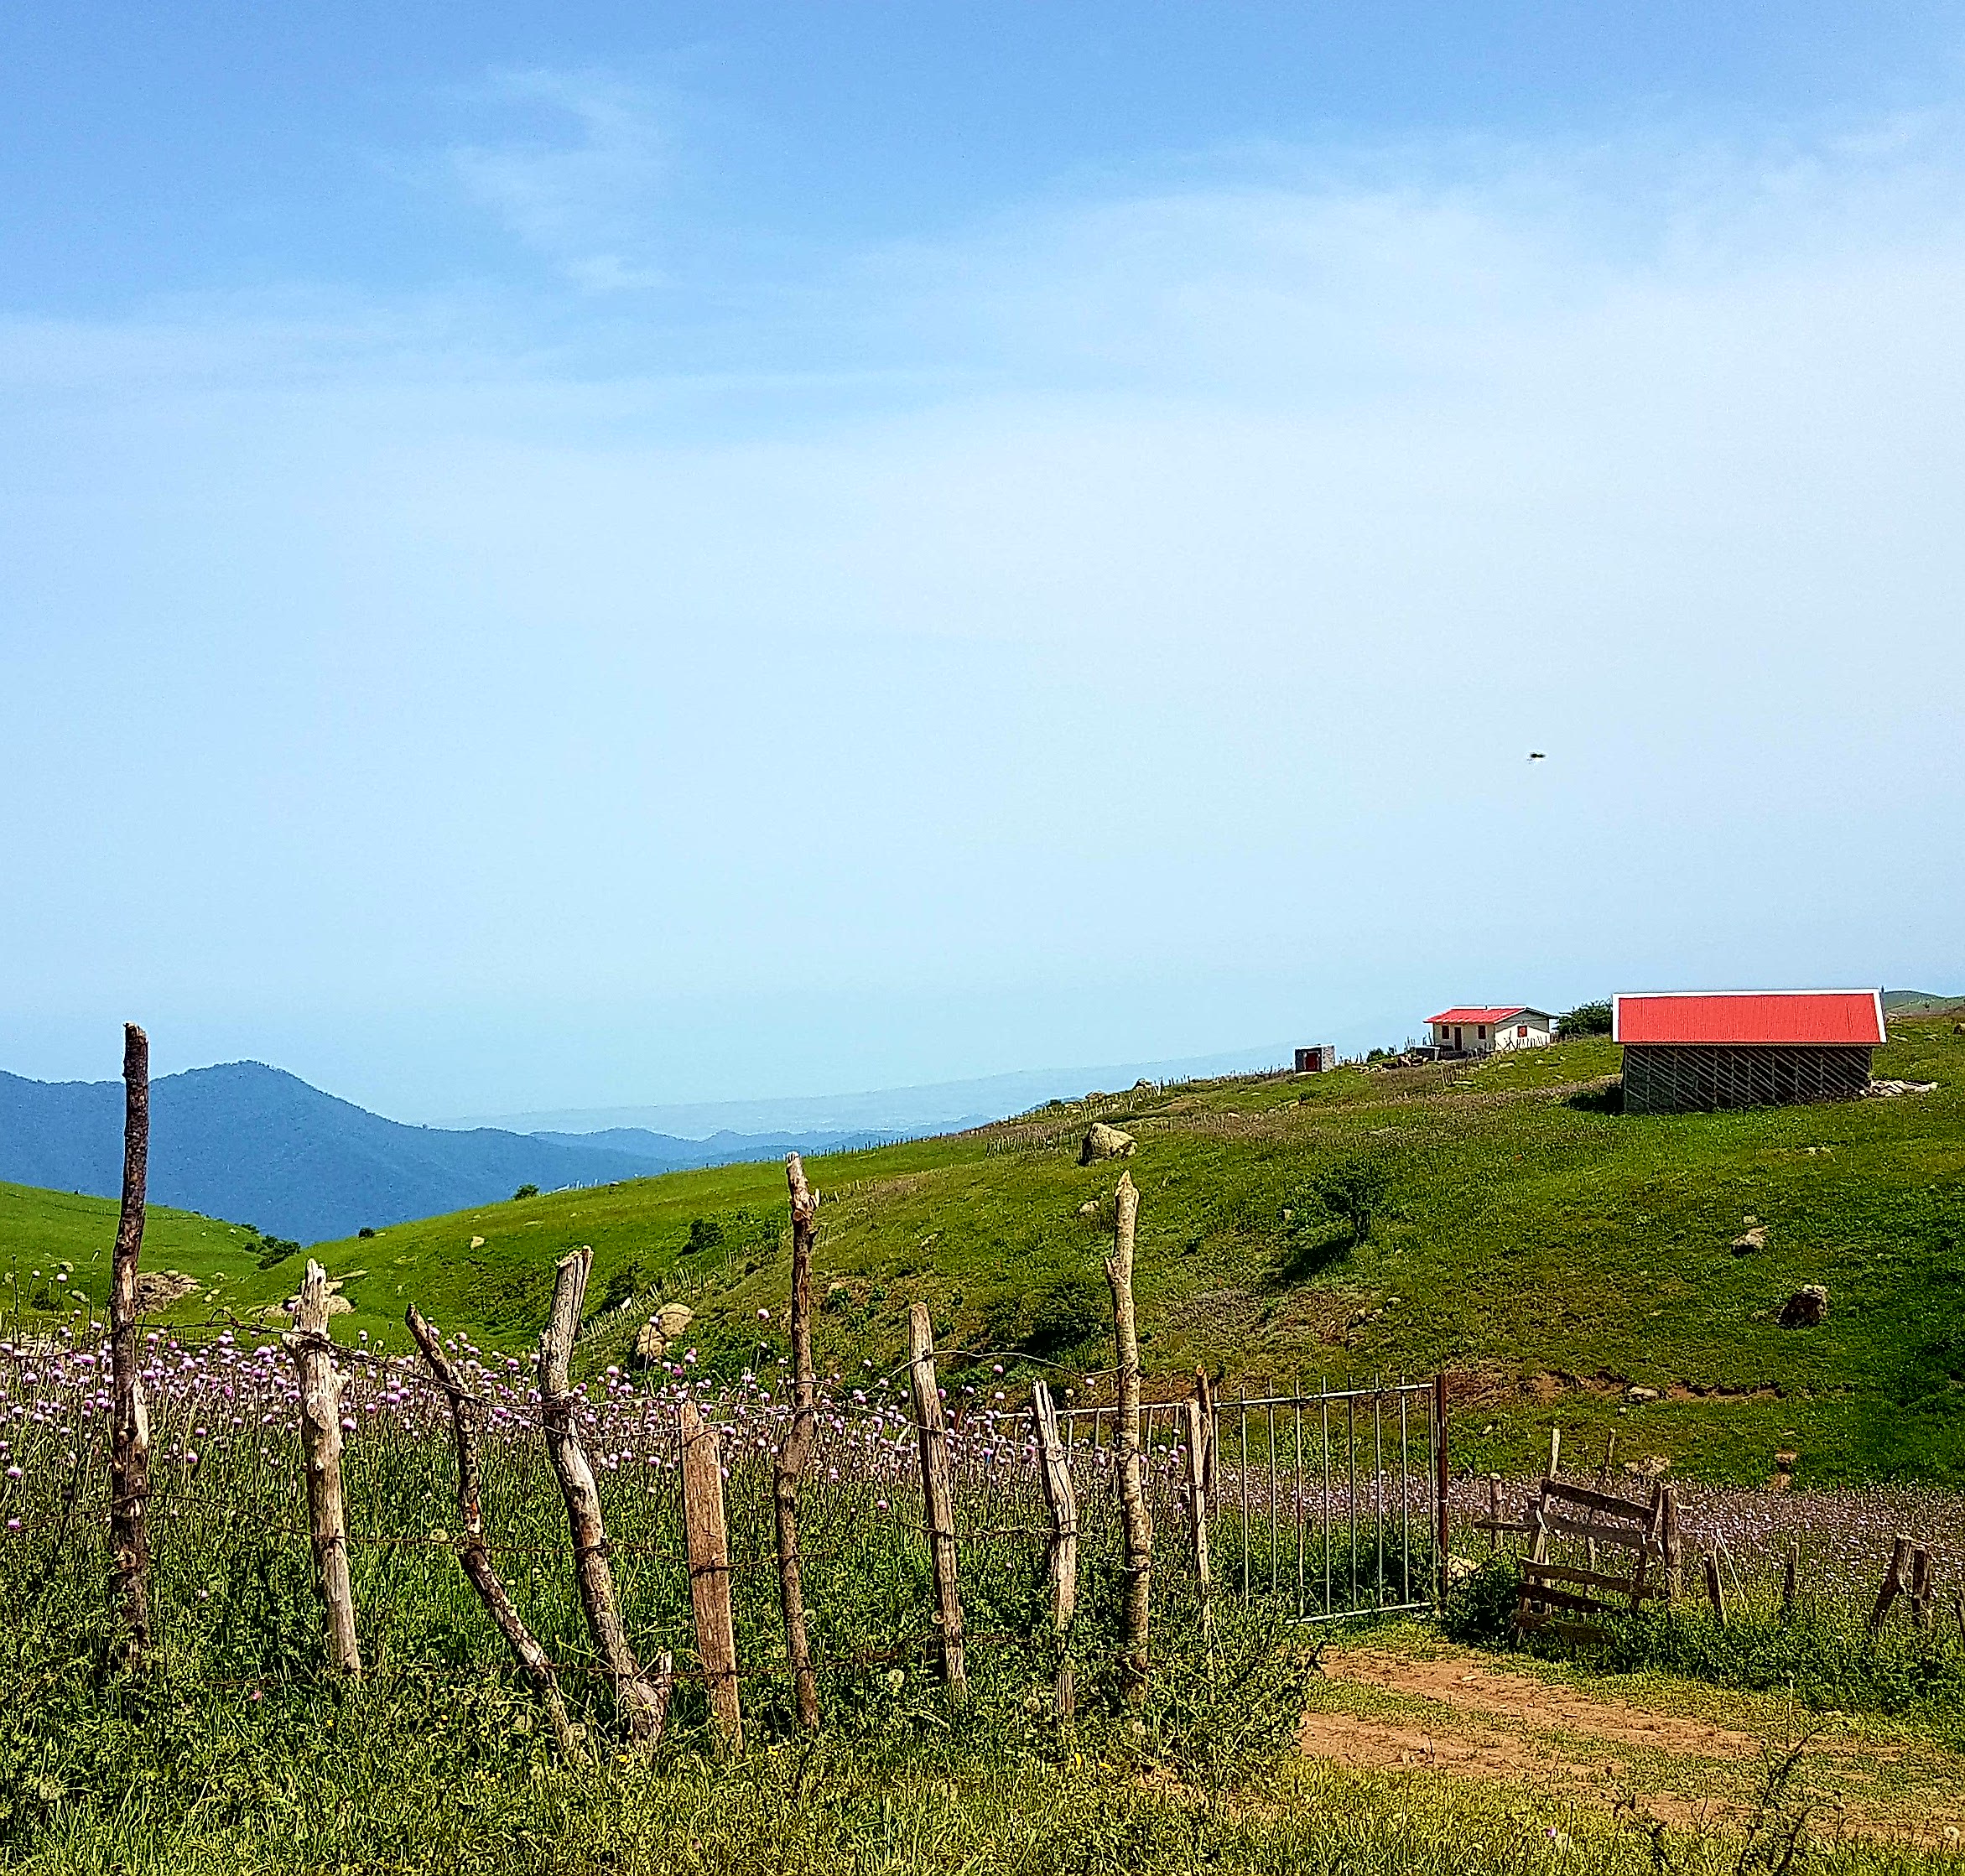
{"points": [[1459, 1711]]}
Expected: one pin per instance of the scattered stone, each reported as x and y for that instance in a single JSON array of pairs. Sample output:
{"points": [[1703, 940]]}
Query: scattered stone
{"points": [[160, 1289], [1102, 1142], [1756, 1240], [651, 1344], [1889, 1090], [477, 1243], [1807, 1309], [1638, 1396], [1089, 1208], [673, 1319]]}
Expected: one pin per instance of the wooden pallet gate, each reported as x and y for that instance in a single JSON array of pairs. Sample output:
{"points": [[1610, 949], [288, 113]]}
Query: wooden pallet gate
{"points": [[1570, 1600]]}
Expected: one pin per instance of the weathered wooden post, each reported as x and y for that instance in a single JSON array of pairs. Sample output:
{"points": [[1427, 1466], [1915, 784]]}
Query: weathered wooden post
{"points": [[1669, 1543], [129, 1426], [1715, 1590], [794, 1455], [1443, 1511], [938, 1498], [320, 1448], [1061, 1555], [1204, 1393], [1197, 1510], [1136, 1520], [1921, 1587], [644, 1702], [1893, 1583], [708, 1542], [1791, 1569], [472, 1552]]}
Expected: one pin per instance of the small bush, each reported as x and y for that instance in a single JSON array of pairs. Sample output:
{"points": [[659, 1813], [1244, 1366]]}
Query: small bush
{"points": [[527, 1191], [367, 1231], [1068, 1312], [1480, 1606], [1353, 1190], [706, 1233]]}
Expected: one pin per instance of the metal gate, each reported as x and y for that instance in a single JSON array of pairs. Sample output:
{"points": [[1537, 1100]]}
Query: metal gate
{"points": [[1319, 1505]]}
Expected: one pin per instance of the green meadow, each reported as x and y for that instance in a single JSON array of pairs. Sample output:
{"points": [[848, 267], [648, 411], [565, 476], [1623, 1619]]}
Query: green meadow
{"points": [[1549, 1251]]}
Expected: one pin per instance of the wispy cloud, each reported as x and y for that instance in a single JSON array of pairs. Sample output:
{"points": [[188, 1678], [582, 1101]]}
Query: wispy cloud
{"points": [[581, 184]]}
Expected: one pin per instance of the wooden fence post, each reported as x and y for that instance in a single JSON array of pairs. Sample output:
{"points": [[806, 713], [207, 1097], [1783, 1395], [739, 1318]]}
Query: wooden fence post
{"points": [[1921, 1587], [1204, 1393], [1137, 1520], [129, 1446], [1442, 1512], [1791, 1569], [473, 1554], [1893, 1582], [1668, 1541], [1061, 1557], [794, 1455], [1198, 1510], [644, 1702], [938, 1498], [708, 1542], [321, 1447], [1715, 1590]]}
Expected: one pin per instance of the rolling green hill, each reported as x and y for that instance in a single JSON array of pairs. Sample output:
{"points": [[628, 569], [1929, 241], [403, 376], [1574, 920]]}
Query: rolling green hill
{"points": [[1549, 1251]]}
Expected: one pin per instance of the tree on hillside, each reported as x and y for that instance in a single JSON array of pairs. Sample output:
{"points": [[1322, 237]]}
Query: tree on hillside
{"points": [[1586, 1019]]}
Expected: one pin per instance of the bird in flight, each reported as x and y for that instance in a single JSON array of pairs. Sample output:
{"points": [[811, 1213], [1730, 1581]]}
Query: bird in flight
{"points": [[1537, 756]]}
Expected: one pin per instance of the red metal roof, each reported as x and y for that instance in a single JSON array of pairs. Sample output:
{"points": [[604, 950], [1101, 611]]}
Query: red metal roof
{"points": [[1749, 1016], [1495, 1015]]}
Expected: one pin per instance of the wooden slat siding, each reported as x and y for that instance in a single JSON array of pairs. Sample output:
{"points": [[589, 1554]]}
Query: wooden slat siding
{"points": [[1587, 1579], [1665, 1079], [1602, 1502]]}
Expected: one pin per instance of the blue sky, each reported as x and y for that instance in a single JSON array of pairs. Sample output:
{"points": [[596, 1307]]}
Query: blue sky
{"points": [[588, 557]]}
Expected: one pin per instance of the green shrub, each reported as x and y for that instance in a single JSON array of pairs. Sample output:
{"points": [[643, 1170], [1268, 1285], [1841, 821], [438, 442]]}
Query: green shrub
{"points": [[1586, 1019], [1480, 1605]]}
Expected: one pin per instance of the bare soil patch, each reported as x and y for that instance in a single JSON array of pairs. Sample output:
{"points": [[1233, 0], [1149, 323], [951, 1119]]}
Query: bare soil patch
{"points": [[1487, 1722]]}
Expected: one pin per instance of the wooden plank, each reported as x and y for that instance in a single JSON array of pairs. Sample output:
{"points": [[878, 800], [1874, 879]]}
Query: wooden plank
{"points": [[1555, 1523], [1601, 1502], [1538, 1593], [1586, 1635], [1587, 1579]]}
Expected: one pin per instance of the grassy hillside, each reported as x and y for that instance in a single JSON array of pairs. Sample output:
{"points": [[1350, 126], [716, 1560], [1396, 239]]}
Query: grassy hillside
{"points": [[54, 1249], [1549, 1251]]}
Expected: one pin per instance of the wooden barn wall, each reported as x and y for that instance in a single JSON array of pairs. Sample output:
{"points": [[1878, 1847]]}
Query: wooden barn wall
{"points": [[1659, 1078]]}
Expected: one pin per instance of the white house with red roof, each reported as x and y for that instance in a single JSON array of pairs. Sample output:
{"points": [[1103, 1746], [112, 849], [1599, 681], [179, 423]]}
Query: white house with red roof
{"points": [[1491, 1029]]}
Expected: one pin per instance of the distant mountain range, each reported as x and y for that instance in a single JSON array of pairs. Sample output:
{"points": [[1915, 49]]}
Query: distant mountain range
{"points": [[258, 1145], [935, 1107]]}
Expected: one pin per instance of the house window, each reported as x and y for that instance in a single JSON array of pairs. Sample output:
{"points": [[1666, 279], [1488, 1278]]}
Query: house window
{"points": [[1521, 1029], [1481, 1033]]}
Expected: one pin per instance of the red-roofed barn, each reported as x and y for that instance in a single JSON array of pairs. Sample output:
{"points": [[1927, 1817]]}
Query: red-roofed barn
{"points": [[1693, 1050], [1489, 1028]]}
